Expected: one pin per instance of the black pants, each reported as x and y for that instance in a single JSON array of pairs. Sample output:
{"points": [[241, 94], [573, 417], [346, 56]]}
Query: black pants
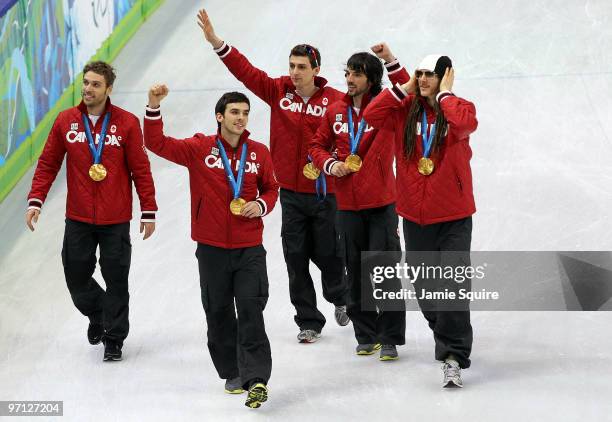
{"points": [[452, 329], [238, 346], [111, 307], [308, 233], [370, 230]]}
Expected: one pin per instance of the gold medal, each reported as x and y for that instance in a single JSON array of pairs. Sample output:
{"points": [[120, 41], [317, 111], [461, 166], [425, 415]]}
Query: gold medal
{"points": [[425, 166], [97, 172], [353, 162], [311, 172], [236, 205]]}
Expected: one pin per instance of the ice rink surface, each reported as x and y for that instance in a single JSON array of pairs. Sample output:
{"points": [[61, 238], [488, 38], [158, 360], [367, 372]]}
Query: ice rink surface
{"points": [[539, 73]]}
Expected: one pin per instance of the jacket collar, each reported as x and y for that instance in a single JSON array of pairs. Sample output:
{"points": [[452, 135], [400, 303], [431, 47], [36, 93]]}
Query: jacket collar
{"points": [[107, 107], [320, 83], [348, 100], [243, 138]]}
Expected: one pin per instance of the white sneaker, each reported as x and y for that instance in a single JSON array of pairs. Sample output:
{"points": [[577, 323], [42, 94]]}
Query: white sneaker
{"points": [[308, 336], [452, 374]]}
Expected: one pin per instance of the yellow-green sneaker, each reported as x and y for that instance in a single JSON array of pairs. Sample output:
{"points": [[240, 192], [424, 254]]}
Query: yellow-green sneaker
{"points": [[258, 394], [367, 349]]}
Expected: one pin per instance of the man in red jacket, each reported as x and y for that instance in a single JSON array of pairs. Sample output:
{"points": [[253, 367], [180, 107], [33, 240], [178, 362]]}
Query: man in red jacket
{"points": [[365, 188], [435, 197], [104, 150], [298, 103], [232, 187]]}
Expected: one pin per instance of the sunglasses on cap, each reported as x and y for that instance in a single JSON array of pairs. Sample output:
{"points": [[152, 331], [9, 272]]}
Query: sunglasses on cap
{"points": [[311, 52], [428, 74]]}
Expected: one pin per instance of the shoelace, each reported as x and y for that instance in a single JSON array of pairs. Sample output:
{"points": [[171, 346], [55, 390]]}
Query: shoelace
{"points": [[450, 371]]}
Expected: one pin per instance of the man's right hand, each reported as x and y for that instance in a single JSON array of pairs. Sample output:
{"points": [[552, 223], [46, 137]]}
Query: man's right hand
{"points": [[208, 30], [383, 51], [32, 217], [340, 169], [156, 94]]}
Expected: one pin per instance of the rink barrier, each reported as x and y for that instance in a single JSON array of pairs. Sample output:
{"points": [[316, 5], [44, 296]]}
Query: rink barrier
{"points": [[17, 163]]}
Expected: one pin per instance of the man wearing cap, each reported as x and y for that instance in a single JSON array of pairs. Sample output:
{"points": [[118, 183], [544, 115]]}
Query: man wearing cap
{"points": [[105, 153], [435, 198]]}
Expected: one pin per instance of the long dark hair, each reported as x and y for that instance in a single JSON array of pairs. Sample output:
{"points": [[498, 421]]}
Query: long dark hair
{"points": [[369, 65], [414, 116]]}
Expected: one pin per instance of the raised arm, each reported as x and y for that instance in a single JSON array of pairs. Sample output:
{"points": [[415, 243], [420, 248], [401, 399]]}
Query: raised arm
{"points": [[256, 80], [459, 113], [383, 109], [179, 151], [396, 72]]}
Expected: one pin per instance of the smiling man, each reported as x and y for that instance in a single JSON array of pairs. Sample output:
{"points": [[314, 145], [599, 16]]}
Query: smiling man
{"points": [[104, 149], [232, 187], [365, 188]]}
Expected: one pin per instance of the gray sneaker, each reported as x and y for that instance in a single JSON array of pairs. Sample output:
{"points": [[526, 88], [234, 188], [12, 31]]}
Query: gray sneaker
{"points": [[233, 386], [388, 352], [452, 375], [308, 336], [367, 349], [341, 317]]}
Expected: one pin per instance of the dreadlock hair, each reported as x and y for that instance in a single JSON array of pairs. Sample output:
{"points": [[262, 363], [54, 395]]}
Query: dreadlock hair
{"points": [[414, 116], [369, 65]]}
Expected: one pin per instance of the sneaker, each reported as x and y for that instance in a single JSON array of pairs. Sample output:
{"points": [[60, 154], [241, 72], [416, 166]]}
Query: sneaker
{"points": [[388, 352], [258, 394], [233, 386], [112, 351], [308, 336], [367, 349], [452, 374], [95, 333], [341, 316]]}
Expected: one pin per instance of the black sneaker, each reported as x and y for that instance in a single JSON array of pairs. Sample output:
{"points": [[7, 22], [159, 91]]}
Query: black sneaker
{"points": [[112, 351], [95, 333], [388, 352], [233, 386], [341, 316]]}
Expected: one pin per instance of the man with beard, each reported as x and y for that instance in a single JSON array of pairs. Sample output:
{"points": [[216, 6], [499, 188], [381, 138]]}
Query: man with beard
{"points": [[105, 153]]}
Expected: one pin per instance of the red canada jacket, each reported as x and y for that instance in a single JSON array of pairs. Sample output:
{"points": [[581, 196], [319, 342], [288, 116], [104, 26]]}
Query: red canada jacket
{"points": [[108, 201], [293, 123], [374, 184], [212, 222], [446, 194]]}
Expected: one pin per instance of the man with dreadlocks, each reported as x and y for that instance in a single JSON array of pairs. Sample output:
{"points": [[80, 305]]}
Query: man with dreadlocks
{"points": [[434, 183], [365, 191]]}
